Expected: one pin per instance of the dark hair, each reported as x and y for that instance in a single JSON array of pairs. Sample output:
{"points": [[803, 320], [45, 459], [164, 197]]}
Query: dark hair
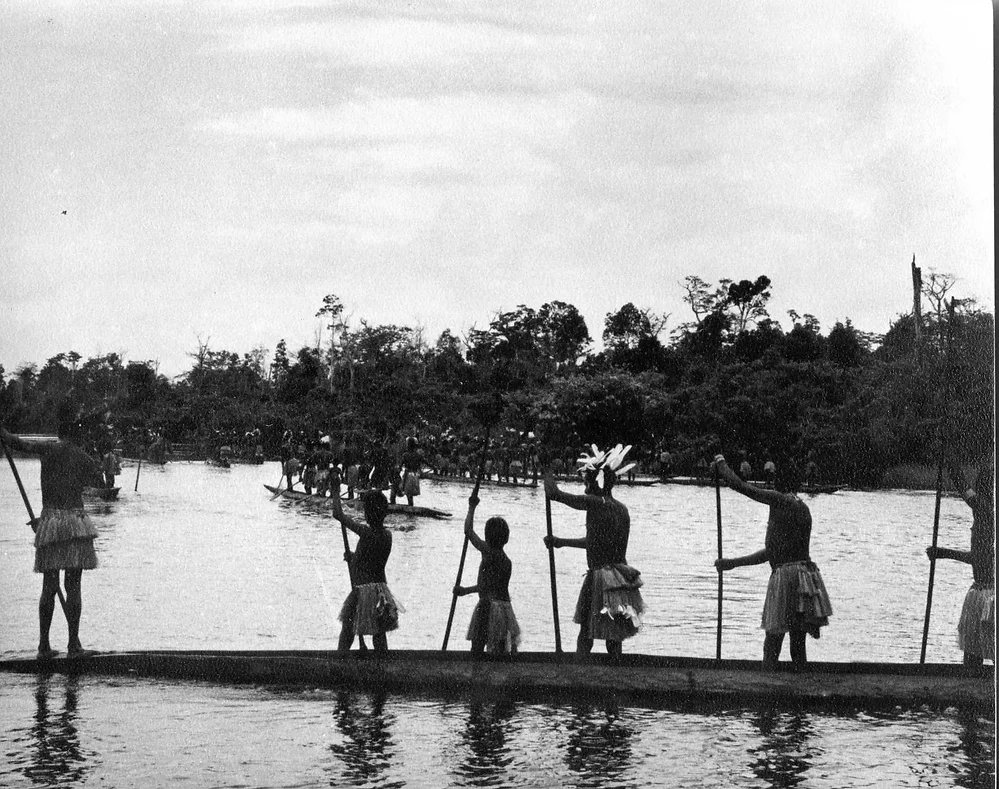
{"points": [[68, 419], [985, 481], [609, 479], [375, 507], [787, 478], [497, 532]]}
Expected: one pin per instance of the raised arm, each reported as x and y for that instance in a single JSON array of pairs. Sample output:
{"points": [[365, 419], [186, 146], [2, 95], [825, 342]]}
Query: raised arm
{"points": [[475, 539], [960, 482], [762, 495], [20, 444], [337, 511], [572, 500]]}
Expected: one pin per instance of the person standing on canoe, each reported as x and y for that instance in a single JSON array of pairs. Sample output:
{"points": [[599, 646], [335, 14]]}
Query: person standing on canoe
{"points": [[610, 604], [412, 463], [796, 602], [494, 626], [976, 630], [64, 534], [370, 608]]}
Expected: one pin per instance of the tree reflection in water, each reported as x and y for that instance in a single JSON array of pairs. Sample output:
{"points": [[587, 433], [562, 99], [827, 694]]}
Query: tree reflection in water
{"points": [[368, 749], [56, 756], [783, 757], [488, 756], [599, 746]]}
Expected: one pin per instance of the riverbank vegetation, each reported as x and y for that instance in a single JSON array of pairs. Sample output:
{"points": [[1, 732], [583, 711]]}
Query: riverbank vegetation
{"points": [[856, 403]]}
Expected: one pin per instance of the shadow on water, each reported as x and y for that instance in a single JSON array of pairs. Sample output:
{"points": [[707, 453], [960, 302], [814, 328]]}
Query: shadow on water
{"points": [[56, 758], [488, 757], [598, 746], [368, 749], [782, 758]]}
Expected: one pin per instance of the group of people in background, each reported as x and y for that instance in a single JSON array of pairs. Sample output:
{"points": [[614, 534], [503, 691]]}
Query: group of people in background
{"points": [[609, 605]]}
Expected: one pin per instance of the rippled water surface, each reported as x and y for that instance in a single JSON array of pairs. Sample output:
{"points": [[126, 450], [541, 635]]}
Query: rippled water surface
{"points": [[200, 557]]}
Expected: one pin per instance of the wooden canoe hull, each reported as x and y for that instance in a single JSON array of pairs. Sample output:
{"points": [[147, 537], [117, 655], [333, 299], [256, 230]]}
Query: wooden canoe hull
{"points": [[324, 501], [641, 679]]}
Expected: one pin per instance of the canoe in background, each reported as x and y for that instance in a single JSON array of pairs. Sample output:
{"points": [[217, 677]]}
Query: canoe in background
{"points": [[324, 501]]}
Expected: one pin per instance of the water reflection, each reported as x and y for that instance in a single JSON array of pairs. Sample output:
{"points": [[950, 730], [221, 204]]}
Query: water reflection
{"points": [[488, 756], [599, 746], [55, 757], [368, 748], [783, 758], [974, 753]]}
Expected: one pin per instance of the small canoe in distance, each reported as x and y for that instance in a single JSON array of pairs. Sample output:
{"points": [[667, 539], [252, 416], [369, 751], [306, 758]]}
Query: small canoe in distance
{"points": [[645, 680], [106, 494], [324, 501], [702, 482], [471, 481]]}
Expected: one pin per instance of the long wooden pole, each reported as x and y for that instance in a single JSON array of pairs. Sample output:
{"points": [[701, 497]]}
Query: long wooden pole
{"points": [[939, 495], [27, 506], [464, 545], [346, 557], [137, 470], [551, 573], [718, 634], [933, 562]]}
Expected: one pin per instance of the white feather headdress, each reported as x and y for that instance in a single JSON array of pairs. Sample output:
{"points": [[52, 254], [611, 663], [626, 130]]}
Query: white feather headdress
{"points": [[602, 462]]}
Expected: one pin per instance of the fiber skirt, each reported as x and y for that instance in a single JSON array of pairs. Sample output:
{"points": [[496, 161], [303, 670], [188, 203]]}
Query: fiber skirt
{"points": [[372, 609], [411, 485], [494, 622], [796, 600], [64, 540], [610, 605], [976, 631]]}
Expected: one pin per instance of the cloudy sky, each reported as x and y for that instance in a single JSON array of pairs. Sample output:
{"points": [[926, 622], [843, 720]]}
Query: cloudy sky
{"points": [[183, 170]]}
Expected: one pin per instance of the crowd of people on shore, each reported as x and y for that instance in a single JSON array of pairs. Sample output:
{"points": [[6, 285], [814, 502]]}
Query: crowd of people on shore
{"points": [[609, 605]]}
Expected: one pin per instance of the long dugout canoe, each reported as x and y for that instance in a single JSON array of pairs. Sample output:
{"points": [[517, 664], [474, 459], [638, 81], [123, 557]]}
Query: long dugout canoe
{"points": [[645, 680], [324, 501]]}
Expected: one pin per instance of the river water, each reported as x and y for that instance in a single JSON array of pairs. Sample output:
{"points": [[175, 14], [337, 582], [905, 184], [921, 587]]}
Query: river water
{"points": [[200, 557]]}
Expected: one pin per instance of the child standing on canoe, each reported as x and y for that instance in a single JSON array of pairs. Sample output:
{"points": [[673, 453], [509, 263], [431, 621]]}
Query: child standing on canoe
{"points": [[370, 608], [610, 604], [796, 602], [494, 626], [976, 630]]}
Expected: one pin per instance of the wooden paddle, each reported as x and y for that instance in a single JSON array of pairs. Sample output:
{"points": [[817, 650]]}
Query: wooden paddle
{"points": [[718, 634], [551, 573], [27, 505], [464, 545], [939, 494]]}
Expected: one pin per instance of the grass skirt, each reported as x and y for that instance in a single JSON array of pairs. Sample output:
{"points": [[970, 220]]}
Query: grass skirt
{"points": [[976, 631], [494, 622], [796, 600], [610, 603], [372, 609], [64, 541], [411, 484]]}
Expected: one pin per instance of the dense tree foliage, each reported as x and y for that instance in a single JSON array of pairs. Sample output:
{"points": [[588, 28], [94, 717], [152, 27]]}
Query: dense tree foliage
{"points": [[855, 403]]}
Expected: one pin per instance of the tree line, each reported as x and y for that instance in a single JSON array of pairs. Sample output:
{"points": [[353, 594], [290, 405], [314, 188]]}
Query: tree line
{"points": [[855, 403]]}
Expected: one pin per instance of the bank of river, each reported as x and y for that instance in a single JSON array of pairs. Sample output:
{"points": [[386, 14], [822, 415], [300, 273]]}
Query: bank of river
{"points": [[201, 558]]}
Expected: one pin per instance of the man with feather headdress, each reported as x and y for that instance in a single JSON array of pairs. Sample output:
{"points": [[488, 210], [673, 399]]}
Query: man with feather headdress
{"points": [[610, 604]]}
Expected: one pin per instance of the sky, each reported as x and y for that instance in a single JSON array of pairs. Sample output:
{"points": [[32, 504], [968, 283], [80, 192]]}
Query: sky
{"points": [[185, 173]]}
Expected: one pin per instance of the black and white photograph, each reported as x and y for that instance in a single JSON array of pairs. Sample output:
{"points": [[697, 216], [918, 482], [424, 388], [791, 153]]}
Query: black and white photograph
{"points": [[497, 394]]}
